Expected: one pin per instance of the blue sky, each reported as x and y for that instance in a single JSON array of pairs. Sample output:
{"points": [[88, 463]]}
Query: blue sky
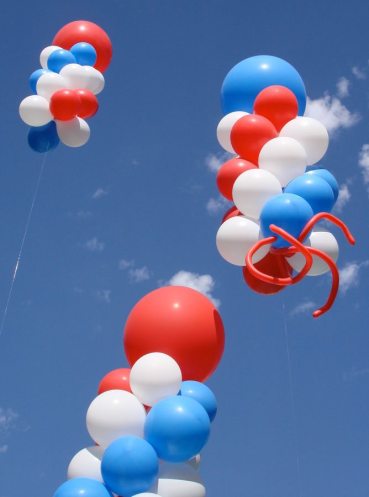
{"points": [[133, 208]]}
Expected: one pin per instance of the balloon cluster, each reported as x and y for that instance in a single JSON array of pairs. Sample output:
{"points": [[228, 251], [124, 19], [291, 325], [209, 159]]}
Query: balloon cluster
{"points": [[150, 422], [65, 87], [278, 190]]}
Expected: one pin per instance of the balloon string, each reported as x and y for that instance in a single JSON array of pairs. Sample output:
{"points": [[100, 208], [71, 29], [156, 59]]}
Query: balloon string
{"points": [[28, 222]]}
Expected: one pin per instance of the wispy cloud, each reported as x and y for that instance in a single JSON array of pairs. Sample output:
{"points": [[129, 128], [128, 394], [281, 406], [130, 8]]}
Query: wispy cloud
{"points": [[8, 419], [125, 264], [364, 162], [331, 112], [214, 161], [344, 196], [343, 87], [203, 283], [358, 72], [135, 274], [103, 296], [94, 245], [303, 308], [350, 275], [216, 205], [81, 214], [99, 193], [4, 448]]}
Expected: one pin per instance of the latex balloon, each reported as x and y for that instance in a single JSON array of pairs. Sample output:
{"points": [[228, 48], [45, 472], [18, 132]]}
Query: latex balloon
{"points": [[88, 103], [252, 189], [87, 464], [60, 58], [34, 111], [180, 322], [249, 77], [312, 135], [74, 133], [49, 83], [202, 393], [229, 172], [146, 494], [235, 237], [82, 486], [285, 158], [113, 414], [84, 53], [43, 138], [83, 77], [129, 466], [224, 129], [35, 76], [315, 190], [249, 134], [178, 428], [272, 264], [278, 104], [118, 379], [328, 176], [45, 54], [179, 480], [65, 105], [88, 32]]}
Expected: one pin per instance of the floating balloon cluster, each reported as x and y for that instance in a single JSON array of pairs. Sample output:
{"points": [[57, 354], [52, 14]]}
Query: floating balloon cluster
{"points": [[279, 195], [150, 422], [65, 87]]}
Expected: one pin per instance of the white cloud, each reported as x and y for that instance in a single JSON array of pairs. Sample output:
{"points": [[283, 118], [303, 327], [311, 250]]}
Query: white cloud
{"points": [[100, 192], [84, 214], [216, 205], [4, 449], [343, 85], [214, 161], [94, 245], [358, 73], [344, 196], [125, 264], [203, 283], [303, 308], [364, 162], [331, 112], [349, 275], [139, 274], [103, 296], [8, 419]]}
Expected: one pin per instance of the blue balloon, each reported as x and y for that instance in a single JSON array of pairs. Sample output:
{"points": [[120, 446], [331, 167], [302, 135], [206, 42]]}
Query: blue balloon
{"points": [[35, 76], [177, 427], [43, 138], [60, 58], [315, 190], [288, 211], [328, 176], [247, 78], [129, 466], [84, 53], [82, 486], [202, 393]]}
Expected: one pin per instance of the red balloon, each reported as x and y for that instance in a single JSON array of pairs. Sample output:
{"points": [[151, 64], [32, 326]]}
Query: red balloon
{"points": [[232, 212], [64, 104], [229, 172], [272, 264], [118, 379], [89, 103], [78, 31], [278, 104], [180, 322], [249, 134]]}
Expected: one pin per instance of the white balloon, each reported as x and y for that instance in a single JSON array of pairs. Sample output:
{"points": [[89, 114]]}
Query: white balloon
{"points": [[252, 189], [312, 135], [86, 464], [45, 54], [35, 110], [283, 157], [95, 80], [85, 77], [225, 127], [113, 414], [322, 240], [179, 480], [235, 237], [49, 83], [73, 133], [155, 376]]}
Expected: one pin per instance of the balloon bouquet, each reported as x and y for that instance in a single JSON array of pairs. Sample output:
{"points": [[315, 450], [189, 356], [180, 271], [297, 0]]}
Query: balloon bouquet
{"points": [[65, 87], [150, 422], [279, 191]]}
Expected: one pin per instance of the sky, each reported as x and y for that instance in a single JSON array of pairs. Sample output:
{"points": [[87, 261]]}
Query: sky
{"points": [[137, 208]]}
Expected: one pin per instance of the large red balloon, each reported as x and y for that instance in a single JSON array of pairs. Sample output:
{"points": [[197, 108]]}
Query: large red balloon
{"points": [[65, 104], [180, 322], [118, 379], [78, 31], [229, 172], [89, 104], [278, 104], [272, 264], [249, 134]]}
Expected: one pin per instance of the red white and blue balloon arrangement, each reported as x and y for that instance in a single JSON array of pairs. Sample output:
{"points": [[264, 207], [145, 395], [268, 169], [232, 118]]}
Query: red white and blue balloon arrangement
{"points": [[65, 87], [279, 191], [150, 422]]}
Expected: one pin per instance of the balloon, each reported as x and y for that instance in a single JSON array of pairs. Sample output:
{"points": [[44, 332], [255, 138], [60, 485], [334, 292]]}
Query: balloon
{"points": [[84, 77], [129, 466], [35, 76], [45, 54], [246, 80], [84, 53], [65, 104], [322, 240], [179, 480], [88, 103], [252, 189], [82, 486], [178, 428], [315, 190], [155, 376], [312, 135], [278, 104], [87, 464], [60, 58], [146, 494], [229, 172], [43, 138], [328, 176], [224, 129], [272, 264], [113, 414], [235, 237], [249, 134], [74, 133], [232, 212], [34, 111], [49, 83], [283, 157], [118, 379], [288, 211], [180, 322], [88, 32], [202, 393]]}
